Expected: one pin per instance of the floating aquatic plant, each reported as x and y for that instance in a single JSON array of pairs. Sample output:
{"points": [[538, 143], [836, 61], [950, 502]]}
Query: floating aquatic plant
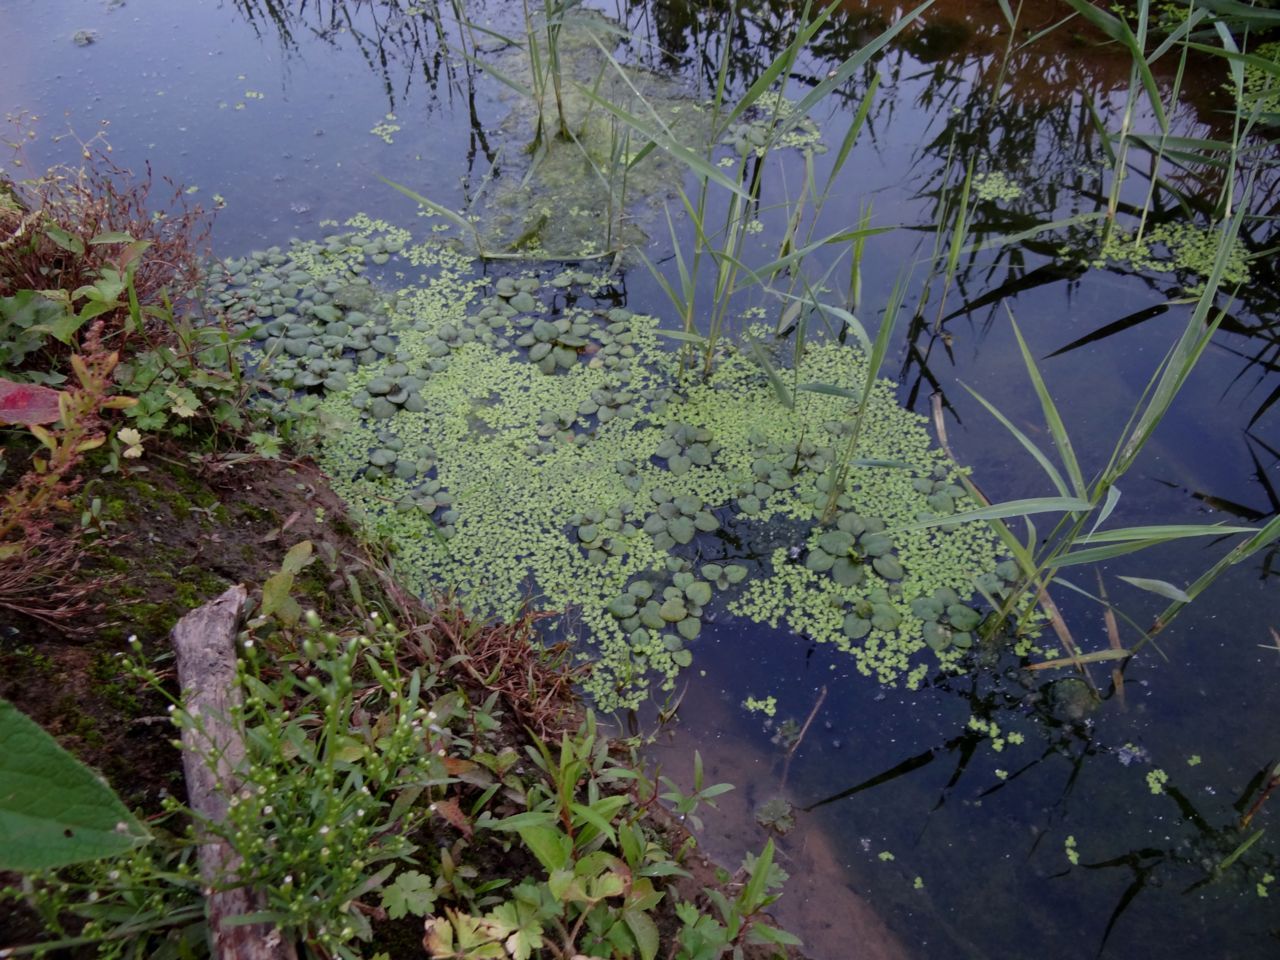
{"points": [[513, 451]]}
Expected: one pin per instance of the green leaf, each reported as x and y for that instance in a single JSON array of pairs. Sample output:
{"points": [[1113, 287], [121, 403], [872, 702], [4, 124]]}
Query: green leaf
{"points": [[66, 241], [779, 385], [54, 811], [1010, 508], [276, 600], [644, 930], [552, 847], [682, 335], [112, 236], [297, 558], [1057, 429], [412, 893], [1045, 463], [1161, 587], [64, 327]]}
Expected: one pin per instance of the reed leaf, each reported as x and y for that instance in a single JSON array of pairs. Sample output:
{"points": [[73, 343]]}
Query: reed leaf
{"points": [[1057, 429], [1161, 588], [1028, 444]]}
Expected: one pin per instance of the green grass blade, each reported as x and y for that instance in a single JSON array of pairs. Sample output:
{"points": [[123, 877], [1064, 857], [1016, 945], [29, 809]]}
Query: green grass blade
{"points": [[1057, 429], [664, 139], [451, 215], [1186, 352], [780, 66], [779, 385], [1117, 28], [1003, 511], [842, 73], [1028, 444], [1165, 531]]}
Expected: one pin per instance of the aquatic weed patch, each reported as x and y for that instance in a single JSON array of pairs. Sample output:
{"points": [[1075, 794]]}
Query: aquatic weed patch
{"points": [[525, 436]]}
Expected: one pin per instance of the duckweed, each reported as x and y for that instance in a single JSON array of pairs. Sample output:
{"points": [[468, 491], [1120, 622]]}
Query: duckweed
{"points": [[513, 451]]}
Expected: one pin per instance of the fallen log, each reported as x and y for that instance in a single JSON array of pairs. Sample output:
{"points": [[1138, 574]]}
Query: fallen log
{"points": [[212, 757]]}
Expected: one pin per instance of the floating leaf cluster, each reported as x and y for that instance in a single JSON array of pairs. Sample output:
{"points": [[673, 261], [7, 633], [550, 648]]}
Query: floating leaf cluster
{"points": [[526, 437]]}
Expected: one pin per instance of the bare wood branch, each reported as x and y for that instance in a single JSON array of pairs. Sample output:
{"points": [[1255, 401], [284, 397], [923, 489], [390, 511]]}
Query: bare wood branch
{"points": [[212, 757]]}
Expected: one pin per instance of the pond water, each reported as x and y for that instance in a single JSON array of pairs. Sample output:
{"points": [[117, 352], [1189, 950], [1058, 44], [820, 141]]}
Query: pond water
{"points": [[988, 813]]}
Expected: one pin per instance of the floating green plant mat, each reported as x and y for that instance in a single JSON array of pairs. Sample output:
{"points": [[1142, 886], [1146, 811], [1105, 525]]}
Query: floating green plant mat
{"points": [[520, 439]]}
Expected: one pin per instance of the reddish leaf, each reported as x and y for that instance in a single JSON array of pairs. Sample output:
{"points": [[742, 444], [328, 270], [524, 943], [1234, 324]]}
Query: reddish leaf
{"points": [[26, 403], [450, 810]]}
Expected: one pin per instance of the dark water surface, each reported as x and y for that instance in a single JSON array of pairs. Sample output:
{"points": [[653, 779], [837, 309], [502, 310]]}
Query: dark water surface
{"points": [[276, 117]]}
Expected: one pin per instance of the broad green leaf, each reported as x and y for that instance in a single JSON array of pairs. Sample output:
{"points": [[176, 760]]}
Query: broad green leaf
{"points": [[54, 811], [1161, 587], [64, 327], [276, 600], [297, 558], [66, 241], [644, 930], [412, 893], [551, 846]]}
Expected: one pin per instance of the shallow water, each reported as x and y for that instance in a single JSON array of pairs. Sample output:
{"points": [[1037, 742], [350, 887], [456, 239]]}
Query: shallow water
{"points": [[287, 122]]}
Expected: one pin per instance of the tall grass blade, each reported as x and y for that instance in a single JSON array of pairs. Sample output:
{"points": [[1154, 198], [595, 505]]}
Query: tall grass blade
{"points": [[1028, 444], [1005, 510], [1185, 354], [1057, 429]]}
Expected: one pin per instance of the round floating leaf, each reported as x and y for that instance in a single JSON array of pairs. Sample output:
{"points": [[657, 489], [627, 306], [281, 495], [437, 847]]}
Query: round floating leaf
{"points": [[847, 573], [641, 588], [712, 571], [651, 616], [855, 627], [735, 573], [682, 530], [673, 611], [963, 617], [937, 636], [888, 567], [623, 607], [705, 521], [699, 592], [836, 542], [689, 628], [819, 561], [926, 608], [885, 618], [682, 658], [876, 544]]}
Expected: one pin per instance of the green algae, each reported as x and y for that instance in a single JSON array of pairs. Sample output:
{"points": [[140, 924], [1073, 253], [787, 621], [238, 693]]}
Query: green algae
{"points": [[1174, 248], [562, 456], [995, 186]]}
